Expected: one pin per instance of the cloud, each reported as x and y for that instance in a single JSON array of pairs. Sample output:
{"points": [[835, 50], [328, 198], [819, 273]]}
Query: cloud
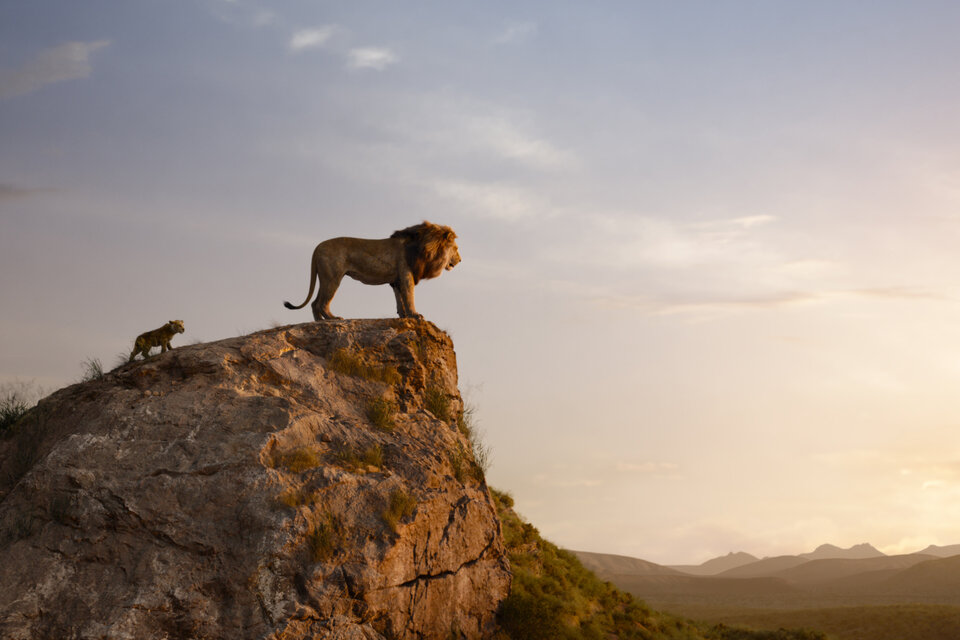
{"points": [[506, 139], [493, 200], [516, 32], [311, 38], [371, 58], [68, 61]]}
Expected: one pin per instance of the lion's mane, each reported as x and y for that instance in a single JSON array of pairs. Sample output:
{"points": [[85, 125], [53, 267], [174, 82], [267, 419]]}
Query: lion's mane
{"points": [[426, 248]]}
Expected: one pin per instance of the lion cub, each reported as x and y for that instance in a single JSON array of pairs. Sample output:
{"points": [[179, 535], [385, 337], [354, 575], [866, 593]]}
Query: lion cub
{"points": [[156, 338]]}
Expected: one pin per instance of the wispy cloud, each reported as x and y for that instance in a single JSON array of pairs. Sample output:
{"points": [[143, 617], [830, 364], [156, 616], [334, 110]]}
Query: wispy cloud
{"points": [[376, 58], [68, 61], [493, 200], [516, 32], [313, 38], [504, 137]]}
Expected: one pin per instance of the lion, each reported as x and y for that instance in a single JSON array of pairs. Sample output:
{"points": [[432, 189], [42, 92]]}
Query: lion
{"points": [[408, 256], [156, 338]]}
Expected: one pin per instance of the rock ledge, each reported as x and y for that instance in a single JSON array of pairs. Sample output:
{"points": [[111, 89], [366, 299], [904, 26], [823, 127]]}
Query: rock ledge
{"points": [[241, 489]]}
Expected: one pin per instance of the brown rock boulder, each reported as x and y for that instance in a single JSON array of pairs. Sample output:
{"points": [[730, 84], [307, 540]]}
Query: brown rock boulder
{"points": [[307, 481]]}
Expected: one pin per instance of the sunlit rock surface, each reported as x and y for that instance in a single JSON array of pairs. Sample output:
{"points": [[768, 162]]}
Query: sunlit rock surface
{"points": [[234, 490]]}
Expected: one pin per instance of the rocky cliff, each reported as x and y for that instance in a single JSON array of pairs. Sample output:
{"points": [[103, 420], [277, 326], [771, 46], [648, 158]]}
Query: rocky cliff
{"points": [[307, 481]]}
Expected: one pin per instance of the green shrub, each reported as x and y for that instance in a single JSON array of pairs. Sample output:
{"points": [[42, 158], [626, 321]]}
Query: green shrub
{"points": [[401, 506], [354, 363], [380, 412]]}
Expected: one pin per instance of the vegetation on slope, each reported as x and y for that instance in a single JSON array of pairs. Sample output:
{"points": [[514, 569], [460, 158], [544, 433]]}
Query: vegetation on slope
{"points": [[553, 597]]}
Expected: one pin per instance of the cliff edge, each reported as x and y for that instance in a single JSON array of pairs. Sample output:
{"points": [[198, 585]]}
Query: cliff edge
{"points": [[301, 482]]}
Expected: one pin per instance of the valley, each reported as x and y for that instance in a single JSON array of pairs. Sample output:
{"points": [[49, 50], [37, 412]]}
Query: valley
{"points": [[847, 593]]}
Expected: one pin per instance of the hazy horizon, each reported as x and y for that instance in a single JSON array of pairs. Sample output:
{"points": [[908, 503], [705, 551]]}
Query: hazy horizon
{"points": [[708, 297]]}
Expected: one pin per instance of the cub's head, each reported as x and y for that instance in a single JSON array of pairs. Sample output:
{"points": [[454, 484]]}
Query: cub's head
{"points": [[176, 325]]}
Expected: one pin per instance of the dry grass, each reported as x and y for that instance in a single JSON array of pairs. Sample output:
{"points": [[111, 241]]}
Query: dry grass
{"points": [[355, 363], [436, 400], [297, 460], [324, 538], [372, 456], [401, 506], [380, 412], [293, 498]]}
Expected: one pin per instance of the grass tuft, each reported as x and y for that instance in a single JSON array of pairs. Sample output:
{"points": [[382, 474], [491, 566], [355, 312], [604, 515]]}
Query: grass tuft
{"points": [[380, 412], [372, 456], [354, 363], [400, 507], [92, 370], [324, 538], [13, 406], [436, 400], [293, 498], [297, 461], [467, 424]]}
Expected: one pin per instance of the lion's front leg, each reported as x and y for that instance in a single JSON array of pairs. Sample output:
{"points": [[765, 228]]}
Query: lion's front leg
{"points": [[403, 290]]}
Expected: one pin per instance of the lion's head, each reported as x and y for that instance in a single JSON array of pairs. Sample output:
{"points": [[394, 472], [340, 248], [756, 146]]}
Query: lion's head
{"points": [[430, 249], [175, 326]]}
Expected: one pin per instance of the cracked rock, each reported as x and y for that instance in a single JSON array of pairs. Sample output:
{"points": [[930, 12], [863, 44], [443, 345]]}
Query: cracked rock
{"points": [[241, 489]]}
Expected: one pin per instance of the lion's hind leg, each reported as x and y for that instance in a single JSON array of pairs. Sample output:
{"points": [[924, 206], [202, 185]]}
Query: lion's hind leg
{"points": [[321, 306], [138, 347]]}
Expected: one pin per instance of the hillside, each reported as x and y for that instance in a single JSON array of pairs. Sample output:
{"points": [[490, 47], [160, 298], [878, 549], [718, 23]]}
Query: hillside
{"points": [[554, 597], [611, 564], [301, 482], [717, 565]]}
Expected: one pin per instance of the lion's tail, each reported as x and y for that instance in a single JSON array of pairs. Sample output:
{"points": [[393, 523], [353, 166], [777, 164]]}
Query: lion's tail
{"points": [[313, 282]]}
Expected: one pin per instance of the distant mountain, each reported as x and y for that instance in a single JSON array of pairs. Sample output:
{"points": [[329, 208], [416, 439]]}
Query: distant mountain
{"points": [[829, 551], [932, 581], [941, 552], [608, 564], [764, 568], [832, 569], [717, 565]]}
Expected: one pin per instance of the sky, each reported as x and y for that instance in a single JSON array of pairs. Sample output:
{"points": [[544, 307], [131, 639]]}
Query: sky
{"points": [[708, 299]]}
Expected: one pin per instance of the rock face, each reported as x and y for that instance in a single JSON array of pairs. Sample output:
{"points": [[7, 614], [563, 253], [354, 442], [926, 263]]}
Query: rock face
{"points": [[307, 481]]}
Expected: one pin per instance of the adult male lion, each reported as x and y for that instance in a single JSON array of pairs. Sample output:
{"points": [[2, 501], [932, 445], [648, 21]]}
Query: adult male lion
{"points": [[408, 256]]}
